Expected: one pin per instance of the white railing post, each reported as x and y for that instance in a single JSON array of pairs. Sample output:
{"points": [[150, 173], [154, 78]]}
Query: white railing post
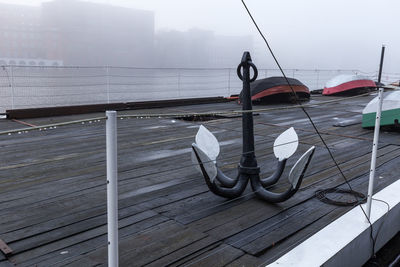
{"points": [[112, 188], [229, 82], [108, 83], [179, 83], [12, 87], [376, 141], [317, 79]]}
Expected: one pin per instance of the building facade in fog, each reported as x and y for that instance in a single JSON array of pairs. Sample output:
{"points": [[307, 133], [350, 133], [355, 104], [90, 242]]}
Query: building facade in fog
{"points": [[98, 34], [228, 50], [80, 33], [199, 48], [176, 49], [24, 40], [73, 32]]}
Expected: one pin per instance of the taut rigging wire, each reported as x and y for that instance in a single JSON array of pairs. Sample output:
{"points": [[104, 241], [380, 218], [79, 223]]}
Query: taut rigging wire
{"points": [[318, 193]]}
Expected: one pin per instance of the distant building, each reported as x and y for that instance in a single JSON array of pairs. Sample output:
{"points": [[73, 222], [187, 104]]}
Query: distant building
{"points": [[98, 34], [23, 38], [228, 50], [200, 48], [75, 32], [177, 49]]}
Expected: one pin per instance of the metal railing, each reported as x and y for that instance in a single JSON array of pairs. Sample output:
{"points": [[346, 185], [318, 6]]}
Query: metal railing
{"points": [[32, 87]]}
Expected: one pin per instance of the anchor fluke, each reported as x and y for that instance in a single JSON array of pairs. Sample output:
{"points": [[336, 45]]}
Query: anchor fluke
{"points": [[208, 164], [286, 144], [207, 142], [299, 168], [207, 148]]}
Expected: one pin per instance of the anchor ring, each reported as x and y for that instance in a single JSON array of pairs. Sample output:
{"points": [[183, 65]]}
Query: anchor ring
{"points": [[252, 66]]}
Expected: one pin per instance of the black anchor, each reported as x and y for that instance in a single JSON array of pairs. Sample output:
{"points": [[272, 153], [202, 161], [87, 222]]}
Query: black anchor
{"points": [[205, 153]]}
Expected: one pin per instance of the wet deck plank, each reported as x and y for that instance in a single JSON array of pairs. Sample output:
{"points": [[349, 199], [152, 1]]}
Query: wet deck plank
{"points": [[53, 198]]}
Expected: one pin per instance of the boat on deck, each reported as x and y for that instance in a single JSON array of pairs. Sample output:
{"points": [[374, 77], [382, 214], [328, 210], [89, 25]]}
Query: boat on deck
{"points": [[351, 84], [276, 89], [390, 110]]}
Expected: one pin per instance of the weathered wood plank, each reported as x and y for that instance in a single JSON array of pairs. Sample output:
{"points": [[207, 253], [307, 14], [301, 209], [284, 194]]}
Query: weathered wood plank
{"points": [[219, 256], [83, 243], [52, 188]]}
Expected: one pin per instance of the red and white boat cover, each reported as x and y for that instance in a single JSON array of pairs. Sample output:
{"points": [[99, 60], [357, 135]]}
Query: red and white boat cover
{"points": [[346, 82]]}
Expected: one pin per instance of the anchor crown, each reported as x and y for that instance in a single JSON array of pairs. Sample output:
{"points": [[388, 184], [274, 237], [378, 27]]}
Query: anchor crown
{"points": [[205, 152]]}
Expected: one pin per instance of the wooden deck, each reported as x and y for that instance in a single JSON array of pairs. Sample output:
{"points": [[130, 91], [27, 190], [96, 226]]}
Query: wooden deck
{"points": [[53, 197]]}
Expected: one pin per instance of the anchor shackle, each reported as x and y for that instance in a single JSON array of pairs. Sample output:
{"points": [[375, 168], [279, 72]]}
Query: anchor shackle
{"points": [[246, 63]]}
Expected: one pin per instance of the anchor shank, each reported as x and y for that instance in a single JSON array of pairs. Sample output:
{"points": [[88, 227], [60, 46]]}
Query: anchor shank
{"points": [[248, 158]]}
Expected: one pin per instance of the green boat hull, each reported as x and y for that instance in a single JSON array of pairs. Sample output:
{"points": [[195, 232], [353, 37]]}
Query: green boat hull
{"points": [[388, 117]]}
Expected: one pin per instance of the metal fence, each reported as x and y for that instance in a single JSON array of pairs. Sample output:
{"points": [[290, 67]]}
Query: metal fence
{"points": [[31, 87]]}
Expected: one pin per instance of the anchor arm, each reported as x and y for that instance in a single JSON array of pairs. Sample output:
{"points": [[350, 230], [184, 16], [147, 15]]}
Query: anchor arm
{"points": [[233, 192], [276, 175], [225, 181], [295, 178], [269, 195], [285, 146]]}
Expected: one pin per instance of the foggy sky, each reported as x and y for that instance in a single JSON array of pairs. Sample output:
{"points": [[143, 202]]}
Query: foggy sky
{"points": [[314, 34]]}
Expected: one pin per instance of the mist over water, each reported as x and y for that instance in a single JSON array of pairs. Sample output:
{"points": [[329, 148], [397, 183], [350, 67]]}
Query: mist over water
{"points": [[308, 34], [156, 49]]}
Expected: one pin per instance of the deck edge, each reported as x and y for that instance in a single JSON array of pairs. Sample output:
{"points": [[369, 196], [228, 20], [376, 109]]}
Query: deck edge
{"points": [[346, 241]]}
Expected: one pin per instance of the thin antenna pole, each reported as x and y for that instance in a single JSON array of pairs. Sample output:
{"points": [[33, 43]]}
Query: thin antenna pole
{"points": [[376, 140]]}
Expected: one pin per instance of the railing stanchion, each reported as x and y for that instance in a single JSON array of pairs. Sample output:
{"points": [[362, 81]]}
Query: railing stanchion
{"points": [[179, 83], [12, 86], [229, 82], [108, 84], [112, 188]]}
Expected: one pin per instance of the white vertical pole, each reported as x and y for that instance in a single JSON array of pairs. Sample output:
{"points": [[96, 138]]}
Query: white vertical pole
{"points": [[179, 83], [12, 86], [108, 84], [376, 140], [112, 188], [229, 82], [374, 152]]}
